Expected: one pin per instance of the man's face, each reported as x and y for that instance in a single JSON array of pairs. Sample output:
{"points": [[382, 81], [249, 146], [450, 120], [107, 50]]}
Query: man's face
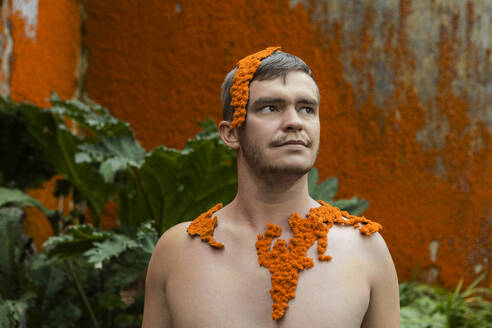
{"points": [[282, 129]]}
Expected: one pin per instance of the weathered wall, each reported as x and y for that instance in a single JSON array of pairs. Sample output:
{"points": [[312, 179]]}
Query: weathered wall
{"points": [[40, 42], [405, 89], [406, 96]]}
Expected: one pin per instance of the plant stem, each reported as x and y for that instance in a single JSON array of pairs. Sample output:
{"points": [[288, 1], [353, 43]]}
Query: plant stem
{"points": [[81, 292], [54, 222]]}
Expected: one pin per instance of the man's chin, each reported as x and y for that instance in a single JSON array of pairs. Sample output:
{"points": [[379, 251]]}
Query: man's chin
{"points": [[288, 170]]}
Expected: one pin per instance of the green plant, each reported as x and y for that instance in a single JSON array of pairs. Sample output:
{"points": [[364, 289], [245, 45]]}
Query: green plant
{"points": [[424, 306], [103, 160], [14, 298], [326, 191], [97, 274], [84, 277]]}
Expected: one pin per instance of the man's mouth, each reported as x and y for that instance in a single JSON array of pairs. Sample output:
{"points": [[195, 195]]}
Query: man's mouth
{"points": [[292, 142]]}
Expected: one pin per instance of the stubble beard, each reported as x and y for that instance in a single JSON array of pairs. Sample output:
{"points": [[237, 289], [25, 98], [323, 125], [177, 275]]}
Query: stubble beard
{"points": [[258, 163]]}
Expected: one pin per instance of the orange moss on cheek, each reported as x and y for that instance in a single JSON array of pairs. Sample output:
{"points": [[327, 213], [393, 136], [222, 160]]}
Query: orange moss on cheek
{"points": [[246, 68], [284, 261], [204, 226]]}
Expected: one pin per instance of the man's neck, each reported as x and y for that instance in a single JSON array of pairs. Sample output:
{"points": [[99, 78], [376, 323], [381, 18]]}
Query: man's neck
{"points": [[270, 199]]}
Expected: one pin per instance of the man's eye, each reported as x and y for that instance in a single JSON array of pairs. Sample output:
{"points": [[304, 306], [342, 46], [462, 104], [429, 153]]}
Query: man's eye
{"points": [[267, 109], [307, 110]]}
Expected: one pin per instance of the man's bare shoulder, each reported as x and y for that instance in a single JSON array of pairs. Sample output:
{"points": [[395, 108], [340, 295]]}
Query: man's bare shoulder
{"points": [[349, 234], [171, 244], [174, 236], [162, 263], [381, 264], [370, 249]]}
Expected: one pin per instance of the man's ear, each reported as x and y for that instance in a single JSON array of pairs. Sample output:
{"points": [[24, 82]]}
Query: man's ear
{"points": [[228, 136]]}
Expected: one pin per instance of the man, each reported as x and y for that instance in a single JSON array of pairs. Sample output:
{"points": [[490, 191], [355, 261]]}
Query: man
{"points": [[238, 280]]}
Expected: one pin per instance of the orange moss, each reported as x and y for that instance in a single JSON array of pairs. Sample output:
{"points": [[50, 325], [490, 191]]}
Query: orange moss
{"points": [[285, 261], [246, 68], [204, 226]]}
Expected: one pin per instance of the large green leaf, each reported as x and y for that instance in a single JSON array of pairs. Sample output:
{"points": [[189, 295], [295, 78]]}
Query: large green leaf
{"points": [[206, 176], [75, 242], [354, 205], [149, 186], [172, 186], [129, 260], [59, 146], [111, 247], [21, 199], [326, 191], [165, 185], [312, 182], [92, 116], [22, 165], [113, 153]]}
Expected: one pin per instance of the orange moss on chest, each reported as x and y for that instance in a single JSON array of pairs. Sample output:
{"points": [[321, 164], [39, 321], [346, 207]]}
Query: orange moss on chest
{"points": [[285, 260]]}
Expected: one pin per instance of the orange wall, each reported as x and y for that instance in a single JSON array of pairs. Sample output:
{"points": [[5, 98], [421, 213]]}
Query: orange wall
{"points": [[405, 100], [160, 66]]}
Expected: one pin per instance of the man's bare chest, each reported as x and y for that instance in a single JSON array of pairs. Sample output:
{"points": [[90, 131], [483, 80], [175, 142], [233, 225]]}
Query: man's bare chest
{"points": [[228, 288]]}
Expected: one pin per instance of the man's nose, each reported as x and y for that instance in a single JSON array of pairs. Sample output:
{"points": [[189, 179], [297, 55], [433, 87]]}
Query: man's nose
{"points": [[291, 120]]}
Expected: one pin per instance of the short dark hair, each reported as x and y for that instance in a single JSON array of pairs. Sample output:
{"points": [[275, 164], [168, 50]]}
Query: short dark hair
{"points": [[278, 64]]}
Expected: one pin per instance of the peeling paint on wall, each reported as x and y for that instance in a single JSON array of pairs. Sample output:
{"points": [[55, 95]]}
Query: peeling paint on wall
{"points": [[405, 87], [433, 247], [5, 51], [28, 11], [49, 62]]}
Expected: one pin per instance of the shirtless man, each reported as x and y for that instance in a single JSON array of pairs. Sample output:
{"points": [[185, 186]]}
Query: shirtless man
{"points": [[190, 284]]}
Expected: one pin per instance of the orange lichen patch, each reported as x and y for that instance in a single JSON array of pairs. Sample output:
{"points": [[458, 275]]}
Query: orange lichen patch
{"points": [[246, 68], [204, 226], [285, 261]]}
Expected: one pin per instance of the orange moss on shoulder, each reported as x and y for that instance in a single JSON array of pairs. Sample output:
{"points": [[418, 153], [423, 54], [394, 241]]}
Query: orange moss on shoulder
{"points": [[204, 226], [284, 261], [246, 68]]}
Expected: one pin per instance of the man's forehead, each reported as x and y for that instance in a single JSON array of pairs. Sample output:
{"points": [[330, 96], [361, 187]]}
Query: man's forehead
{"points": [[294, 84]]}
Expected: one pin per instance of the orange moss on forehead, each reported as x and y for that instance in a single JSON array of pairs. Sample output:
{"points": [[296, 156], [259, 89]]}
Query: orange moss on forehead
{"points": [[284, 261], [246, 68]]}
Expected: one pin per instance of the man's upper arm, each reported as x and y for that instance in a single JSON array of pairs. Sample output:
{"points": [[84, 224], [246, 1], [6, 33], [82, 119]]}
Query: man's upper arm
{"points": [[384, 304], [156, 310]]}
